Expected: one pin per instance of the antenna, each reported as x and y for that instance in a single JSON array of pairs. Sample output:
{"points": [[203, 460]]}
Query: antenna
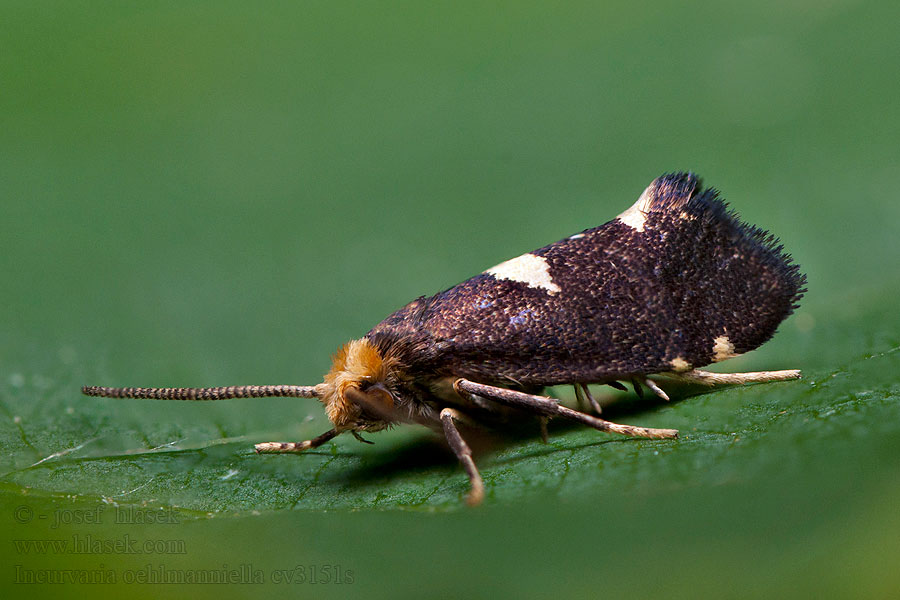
{"points": [[212, 393]]}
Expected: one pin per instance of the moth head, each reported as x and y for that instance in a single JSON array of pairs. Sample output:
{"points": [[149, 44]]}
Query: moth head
{"points": [[360, 390]]}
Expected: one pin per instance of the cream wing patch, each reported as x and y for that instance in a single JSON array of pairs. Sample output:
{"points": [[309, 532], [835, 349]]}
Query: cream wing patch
{"points": [[722, 348], [679, 364], [635, 216], [529, 269]]}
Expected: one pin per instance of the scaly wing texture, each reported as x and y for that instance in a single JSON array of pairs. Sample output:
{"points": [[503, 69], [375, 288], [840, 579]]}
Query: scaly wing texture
{"points": [[675, 282]]}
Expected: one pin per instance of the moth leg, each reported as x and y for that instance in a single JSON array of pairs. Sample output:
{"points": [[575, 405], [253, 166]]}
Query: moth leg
{"points": [[361, 438], [637, 388], [289, 447], [637, 381], [656, 389], [449, 417], [590, 397], [582, 392], [545, 435], [549, 407], [709, 378], [579, 397]]}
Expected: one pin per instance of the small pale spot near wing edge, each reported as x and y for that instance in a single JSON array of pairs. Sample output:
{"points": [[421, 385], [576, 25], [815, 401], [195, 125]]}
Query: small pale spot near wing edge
{"points": [[723, 349]]}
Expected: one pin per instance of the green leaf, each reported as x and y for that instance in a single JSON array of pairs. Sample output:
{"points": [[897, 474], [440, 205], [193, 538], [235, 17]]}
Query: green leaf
{"points": [[224, 193]]}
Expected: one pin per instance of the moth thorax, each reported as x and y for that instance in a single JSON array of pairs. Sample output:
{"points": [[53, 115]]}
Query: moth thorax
{"points": [[356, 367]]}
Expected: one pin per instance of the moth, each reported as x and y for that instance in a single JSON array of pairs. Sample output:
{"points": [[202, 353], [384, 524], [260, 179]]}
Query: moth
{"points": [[674, 283]]}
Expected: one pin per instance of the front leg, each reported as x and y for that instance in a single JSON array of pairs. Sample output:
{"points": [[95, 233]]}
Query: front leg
{"points": [[295, 447], [542, 405], [449, 417]]}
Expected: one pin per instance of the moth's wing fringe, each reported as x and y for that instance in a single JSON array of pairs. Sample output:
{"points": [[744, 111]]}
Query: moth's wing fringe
{"points": [[684, 192]]}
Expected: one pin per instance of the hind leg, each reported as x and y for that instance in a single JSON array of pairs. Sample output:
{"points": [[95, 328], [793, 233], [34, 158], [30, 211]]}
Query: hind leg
{"points": [[709, 378]]}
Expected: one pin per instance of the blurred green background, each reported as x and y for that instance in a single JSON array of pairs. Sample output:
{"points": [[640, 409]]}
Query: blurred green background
{"points": [[200, 193]]}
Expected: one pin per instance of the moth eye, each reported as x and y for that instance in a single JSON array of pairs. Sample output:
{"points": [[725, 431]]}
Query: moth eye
{"points": [[375, 402], [379, 394]]}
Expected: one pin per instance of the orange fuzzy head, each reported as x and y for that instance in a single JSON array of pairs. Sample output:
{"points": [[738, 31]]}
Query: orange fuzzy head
{"points": [[357, 392]]}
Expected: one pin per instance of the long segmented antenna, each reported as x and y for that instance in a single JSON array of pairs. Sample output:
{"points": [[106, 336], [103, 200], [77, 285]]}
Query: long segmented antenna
{"points": [[213, 393]]}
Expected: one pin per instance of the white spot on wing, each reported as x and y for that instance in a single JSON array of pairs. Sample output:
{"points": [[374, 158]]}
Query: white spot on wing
{"points": [[577, 236], [722, 348], [679, 364], [529, 269], [635, 216]]}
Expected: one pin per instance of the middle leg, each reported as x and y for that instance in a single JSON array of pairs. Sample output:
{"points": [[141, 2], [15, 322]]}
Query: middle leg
{"points": [[550, 408]]}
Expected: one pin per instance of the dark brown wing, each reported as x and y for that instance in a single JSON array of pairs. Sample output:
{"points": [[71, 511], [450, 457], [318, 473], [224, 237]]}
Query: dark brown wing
{"points": [[675, 282]]}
